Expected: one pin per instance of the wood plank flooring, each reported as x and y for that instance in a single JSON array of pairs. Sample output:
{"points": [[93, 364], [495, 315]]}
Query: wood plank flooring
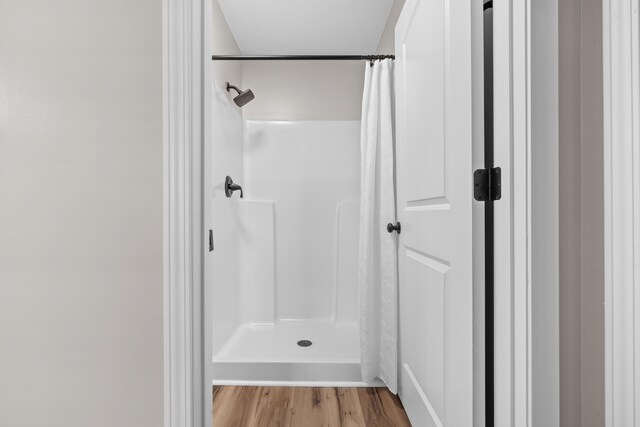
{"points": [[306, 407]]}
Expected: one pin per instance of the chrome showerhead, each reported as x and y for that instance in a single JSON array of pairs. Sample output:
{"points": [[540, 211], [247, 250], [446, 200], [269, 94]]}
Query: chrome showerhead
{"points": [[244, 96]]}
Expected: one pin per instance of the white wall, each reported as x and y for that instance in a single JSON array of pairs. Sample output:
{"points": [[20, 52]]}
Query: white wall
{"points": [[81, 213], [570, 214], [592, 174], [304, 90], [581, 214], [388, 40], [311, 90], [224, 44]]}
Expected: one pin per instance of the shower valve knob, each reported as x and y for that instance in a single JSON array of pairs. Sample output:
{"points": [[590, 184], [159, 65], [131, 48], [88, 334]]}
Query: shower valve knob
{"points": [[391, 228], [230, 187]]}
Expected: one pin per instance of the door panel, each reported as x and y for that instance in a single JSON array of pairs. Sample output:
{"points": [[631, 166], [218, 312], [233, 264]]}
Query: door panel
{"points": [[422, 78], [425, 355], [435, 201]]}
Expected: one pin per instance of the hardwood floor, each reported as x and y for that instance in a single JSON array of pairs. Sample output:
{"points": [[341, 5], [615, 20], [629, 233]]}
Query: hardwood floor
{"points": [[306, 407]]}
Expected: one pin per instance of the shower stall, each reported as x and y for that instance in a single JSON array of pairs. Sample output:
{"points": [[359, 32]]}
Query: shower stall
{"points": [[345, 247], [284, 262]]}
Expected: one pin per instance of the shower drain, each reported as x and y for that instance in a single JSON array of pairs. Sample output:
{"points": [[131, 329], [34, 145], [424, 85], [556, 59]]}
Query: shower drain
{"points": [[304, 343]]}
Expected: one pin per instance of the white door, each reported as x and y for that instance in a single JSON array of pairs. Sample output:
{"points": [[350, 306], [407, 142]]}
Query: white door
{"points": [[435, 197]]}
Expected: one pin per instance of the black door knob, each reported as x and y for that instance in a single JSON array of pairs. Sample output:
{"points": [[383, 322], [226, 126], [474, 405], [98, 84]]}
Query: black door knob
{"points": [[391, 228]]}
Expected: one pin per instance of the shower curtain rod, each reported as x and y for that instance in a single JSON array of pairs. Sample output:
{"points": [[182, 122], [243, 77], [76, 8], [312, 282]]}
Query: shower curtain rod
{"points": [[300, 57]]}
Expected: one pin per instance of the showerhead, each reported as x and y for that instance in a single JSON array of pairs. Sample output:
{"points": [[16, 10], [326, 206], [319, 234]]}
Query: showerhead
{"points": [[244, 96]]}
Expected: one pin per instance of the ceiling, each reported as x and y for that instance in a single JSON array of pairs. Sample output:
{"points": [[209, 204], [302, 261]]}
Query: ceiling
{"points": [[306, 27]]}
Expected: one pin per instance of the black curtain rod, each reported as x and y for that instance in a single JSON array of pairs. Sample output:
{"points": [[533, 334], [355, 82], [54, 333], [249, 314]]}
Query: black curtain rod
{"points": [[300, 57]]}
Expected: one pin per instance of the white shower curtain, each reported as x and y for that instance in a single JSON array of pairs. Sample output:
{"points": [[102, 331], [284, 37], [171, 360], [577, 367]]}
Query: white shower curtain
{"points": [[377, 270]]}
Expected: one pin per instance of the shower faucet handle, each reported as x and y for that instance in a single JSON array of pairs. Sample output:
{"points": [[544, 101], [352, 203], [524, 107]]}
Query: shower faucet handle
{"points": [[230, 187], [391, 227]]}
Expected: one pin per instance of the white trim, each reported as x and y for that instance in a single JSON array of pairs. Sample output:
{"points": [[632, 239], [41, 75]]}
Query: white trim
{"points": [[512, 250], [207, 178], [621, 56], [182, 118], [526, 243], [521, 142]]}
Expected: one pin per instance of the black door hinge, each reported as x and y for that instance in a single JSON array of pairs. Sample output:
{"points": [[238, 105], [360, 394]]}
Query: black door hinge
{"points": [[210, 240], [487, 184]]}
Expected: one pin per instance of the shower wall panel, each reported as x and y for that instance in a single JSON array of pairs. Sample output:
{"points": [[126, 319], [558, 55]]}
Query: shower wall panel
{"points": [[257, 262], [226, 302], [227, 140], [347, 307], [226, 159], [309, 169]]}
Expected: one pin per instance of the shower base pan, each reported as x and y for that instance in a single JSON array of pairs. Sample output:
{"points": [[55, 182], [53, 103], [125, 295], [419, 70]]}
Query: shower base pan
{"points": [[272, 355]]}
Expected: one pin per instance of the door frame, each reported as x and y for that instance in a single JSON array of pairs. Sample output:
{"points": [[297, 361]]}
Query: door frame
{"points": [[520, 242], [526, 239], [185, 388], [621, 61]]}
